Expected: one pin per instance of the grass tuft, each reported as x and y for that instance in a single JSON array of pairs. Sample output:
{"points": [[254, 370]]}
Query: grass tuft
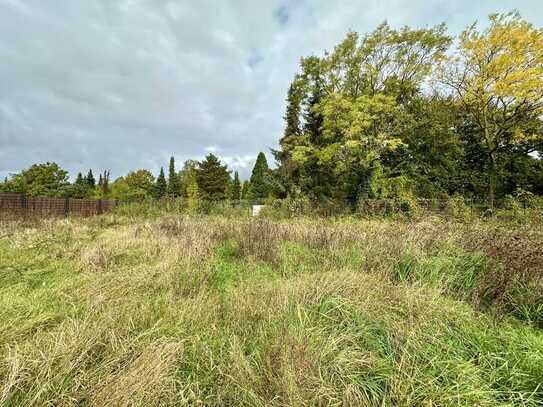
{"points": [[142, 307]]}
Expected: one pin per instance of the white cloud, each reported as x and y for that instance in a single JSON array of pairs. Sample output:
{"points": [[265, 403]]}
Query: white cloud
{"points": [[122, 85], [241, 163], [212, 149]]}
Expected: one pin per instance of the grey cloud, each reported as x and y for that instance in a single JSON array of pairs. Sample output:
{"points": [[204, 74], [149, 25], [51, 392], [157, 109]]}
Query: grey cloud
{"points": [[282, 15], [124, 84]]}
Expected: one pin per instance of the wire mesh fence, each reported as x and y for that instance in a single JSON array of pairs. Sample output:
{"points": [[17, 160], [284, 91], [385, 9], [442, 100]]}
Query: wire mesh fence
{"points": [[303, 206], [22, 206]]}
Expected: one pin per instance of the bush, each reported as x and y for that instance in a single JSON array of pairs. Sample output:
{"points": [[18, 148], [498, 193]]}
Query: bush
{"points": [[148, 208], [457, 207]]}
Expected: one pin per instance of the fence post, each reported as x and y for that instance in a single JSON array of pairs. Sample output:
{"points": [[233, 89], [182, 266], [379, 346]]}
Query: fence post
{"points": [[66, 207], [99, 208]]}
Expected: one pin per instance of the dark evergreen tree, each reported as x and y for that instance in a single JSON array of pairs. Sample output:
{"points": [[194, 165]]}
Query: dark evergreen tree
{"points": [[91, 182], [287, 169], [161, 187], [260, 179], [212, 178], [79, 189], [294, 108], [236, 187], [105, 184], [173, 180], [313, 119], [79, 180], [316, 178]]}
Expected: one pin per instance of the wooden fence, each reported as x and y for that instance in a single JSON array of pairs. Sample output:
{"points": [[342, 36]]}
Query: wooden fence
{"points": [[21, 206]]}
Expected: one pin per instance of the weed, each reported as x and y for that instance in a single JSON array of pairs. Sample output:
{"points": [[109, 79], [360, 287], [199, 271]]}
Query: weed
{"points": [[152, 307]]}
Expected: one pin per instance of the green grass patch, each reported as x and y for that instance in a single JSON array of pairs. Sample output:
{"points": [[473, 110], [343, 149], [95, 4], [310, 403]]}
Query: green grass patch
{"points": [[136, 310]]}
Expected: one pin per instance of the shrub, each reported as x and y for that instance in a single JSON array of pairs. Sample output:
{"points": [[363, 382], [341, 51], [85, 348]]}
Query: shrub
{"points": [[458, 208]]}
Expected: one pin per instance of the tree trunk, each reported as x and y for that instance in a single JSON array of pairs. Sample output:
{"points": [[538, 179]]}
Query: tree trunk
{"points": [[492, 181], [365, 190], [492, 170]]}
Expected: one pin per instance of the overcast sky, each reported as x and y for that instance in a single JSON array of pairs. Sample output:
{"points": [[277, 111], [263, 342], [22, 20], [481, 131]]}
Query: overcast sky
{"points": [[125, 84]]}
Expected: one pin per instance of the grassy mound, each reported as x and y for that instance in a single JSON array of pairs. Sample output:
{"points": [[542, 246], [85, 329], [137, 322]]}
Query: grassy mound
{"points": [[212, 311]]}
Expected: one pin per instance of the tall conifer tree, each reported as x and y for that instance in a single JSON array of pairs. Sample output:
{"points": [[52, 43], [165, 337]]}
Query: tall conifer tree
{"points": [[105, 183], [90, 179], [260, 186], [79, 180], [236, 187], [161, 186], [173, 179], [213, 179]]}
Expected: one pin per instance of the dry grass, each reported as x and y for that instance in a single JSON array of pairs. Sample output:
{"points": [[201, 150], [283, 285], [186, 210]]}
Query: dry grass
{"points": [[213, 311], [145, 379]]}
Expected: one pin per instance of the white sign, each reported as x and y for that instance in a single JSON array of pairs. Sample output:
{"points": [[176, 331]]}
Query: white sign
{"points": [[256, 209]]}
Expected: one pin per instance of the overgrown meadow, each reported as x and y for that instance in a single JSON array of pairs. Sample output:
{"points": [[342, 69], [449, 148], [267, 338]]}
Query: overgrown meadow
{"points": [[164, 308]]}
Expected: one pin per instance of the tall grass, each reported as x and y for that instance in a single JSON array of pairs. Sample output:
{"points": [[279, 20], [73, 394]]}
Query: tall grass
{"points": [[140, 308]]}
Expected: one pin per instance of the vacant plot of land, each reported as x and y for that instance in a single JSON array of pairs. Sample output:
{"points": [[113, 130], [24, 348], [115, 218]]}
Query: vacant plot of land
{"points": [[212, 311]]}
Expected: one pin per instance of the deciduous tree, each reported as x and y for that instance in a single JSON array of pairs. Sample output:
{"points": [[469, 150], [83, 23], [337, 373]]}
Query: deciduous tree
{"points": [[46, 179], [353, 103], [497, 76]]}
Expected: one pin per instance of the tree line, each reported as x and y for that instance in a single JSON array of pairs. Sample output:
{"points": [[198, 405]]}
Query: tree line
{"points": [[415, 113], [395, 114], [208, 180]]}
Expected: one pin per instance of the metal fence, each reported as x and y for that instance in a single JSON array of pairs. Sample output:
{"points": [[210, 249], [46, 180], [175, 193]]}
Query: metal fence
{"points": [[21, 206], [379, 207]]}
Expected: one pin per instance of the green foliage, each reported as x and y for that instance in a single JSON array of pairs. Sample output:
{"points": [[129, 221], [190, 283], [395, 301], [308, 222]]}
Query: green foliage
{"points": [[212, 178], [458, 207], [161, 187], [260, 185], [393, 114], [498, 75], [136, 185], [296, 204], [39, 180], [193, 195], [80, 189], [292, 116], [353, 113], [90, 180], [187, 175], [362, 111], [174, 189], [141, 180], [236, 187], [245, 190], [103, 189]]}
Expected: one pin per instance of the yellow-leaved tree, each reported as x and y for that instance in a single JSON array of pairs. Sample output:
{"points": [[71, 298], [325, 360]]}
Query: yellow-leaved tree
{"points": [[497, 75]]}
